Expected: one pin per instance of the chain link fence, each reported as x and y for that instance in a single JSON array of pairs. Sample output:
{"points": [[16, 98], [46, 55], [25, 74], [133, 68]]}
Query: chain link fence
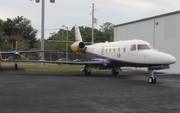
{"points": [[50, 56]]}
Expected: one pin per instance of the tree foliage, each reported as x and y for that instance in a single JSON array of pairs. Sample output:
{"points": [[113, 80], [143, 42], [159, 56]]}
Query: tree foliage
{"points": [[108, 30], [17, 27], [57, 41], [20, 29]]}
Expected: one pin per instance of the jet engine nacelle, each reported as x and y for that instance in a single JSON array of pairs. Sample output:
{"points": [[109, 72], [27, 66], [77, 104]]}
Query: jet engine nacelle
{"points": [[78, 46]]}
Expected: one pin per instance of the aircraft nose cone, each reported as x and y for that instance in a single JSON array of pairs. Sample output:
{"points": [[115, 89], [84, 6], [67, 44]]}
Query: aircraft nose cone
{"points": [[172, 59], [169, 59], [164, 58]]}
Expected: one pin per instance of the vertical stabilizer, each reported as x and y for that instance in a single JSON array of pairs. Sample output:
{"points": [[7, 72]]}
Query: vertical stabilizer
{"points": [[77, 34]]}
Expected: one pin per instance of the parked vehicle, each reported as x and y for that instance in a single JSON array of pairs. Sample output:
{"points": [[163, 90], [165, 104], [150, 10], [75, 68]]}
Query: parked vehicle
{"points": [[79, 60], [63, 60]]}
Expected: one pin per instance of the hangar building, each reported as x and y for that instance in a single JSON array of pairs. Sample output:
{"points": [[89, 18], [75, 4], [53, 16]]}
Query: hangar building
{"points": [[161, 31]]}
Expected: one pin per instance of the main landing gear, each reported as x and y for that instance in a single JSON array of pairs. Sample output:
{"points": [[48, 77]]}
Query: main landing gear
{"points": [[152, 79], [86, 70], [115, 71]]}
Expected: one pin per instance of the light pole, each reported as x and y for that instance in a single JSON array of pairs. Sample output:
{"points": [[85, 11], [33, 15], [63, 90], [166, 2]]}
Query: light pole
{"points": [[42, 26], [66, 41], [92, 23]]}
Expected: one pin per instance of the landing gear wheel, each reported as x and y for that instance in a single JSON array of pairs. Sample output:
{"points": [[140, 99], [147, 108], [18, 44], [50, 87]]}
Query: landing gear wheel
{"points": [[114, 71], [15, 66], [152, 80], [86, 71]]}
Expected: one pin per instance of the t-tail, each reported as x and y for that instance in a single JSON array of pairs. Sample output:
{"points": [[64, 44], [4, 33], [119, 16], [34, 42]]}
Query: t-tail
{"points": [[78, 45], [77, 33]]}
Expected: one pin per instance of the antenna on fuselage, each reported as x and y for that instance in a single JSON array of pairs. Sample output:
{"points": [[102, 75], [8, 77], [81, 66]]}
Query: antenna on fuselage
{"points": [[92, 23]]}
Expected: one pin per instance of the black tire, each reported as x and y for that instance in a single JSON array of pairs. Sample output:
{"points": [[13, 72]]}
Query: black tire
{"points": [[86, 72], [113, 72], [16, 66], [152, 80], [117, 73]]}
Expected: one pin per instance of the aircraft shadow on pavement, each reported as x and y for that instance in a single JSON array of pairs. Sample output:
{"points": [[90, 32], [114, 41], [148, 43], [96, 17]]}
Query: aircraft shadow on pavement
{"points": [[134, 77]]}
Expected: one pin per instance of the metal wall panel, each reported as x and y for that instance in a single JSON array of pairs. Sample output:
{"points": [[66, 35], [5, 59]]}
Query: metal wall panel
{"points": [[141, 30], [163, 32], [167, 38]]}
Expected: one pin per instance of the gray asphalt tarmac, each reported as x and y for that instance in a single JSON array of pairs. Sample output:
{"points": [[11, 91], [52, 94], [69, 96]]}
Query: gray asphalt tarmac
{"points": [[46, 92]]}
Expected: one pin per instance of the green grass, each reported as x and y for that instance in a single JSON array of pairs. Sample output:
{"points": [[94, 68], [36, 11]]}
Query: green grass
{"points": [[49, 67], [57, 68], [52, 68]]}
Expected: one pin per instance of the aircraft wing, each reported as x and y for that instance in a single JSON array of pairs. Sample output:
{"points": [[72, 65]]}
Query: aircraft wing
{"points": [[5, 53], [37, 51], [20, 52], [102, 63], [79, 63]]}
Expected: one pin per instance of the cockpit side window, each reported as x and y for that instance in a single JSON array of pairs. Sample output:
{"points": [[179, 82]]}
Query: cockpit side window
{"points": [[142, 47], [150, 46], [133, 47]]}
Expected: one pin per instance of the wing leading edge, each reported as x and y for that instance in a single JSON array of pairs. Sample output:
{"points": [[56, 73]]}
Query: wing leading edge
{"points": [[90, 63]]}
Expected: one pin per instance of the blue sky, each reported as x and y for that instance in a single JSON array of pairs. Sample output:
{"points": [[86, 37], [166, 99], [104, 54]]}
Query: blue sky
{"points": [[69, 12]]}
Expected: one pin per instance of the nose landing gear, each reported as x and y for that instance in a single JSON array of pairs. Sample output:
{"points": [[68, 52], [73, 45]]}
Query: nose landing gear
{"points": [[152, 79]]}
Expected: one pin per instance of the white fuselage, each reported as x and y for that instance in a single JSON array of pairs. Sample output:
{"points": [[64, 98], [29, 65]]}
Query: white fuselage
{"points": [[135, 53]]}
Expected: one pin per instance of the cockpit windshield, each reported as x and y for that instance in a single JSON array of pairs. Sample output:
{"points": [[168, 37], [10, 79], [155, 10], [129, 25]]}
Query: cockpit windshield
{"points": [[135, 47], [150, 46], [143, 47]]}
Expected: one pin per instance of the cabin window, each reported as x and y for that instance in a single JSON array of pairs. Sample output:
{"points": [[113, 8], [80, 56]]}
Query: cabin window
{"points": [[119, 49], [133, 48], [102, 51], [114, 49], [124, 49], [106, 50], [142, 47], [109, 49]]}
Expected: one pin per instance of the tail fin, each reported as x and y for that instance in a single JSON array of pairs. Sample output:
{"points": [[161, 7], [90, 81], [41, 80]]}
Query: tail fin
{"points": [[77, 34], [79, 45]]}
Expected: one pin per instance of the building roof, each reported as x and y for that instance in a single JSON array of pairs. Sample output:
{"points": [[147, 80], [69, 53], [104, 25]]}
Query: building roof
{"points": [[148, 18]]}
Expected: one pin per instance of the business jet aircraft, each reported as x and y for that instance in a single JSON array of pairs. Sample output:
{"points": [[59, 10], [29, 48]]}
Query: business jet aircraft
{"points": [[128, 53]]}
